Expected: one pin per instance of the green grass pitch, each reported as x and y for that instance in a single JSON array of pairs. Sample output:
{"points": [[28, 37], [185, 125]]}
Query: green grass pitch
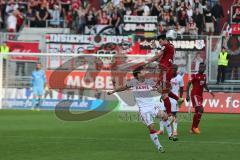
{"points": [[28, 135]]}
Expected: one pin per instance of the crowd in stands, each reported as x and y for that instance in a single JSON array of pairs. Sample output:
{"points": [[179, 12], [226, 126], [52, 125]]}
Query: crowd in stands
{"points": [[186, 16]]}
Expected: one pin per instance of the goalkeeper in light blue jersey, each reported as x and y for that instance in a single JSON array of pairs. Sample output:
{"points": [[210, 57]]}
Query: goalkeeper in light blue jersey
{"points": [[38, 85]]}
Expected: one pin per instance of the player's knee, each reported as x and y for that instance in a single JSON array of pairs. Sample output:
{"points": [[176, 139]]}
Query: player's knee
{"points": [[201, 110], [151, 128], [165, 117]]}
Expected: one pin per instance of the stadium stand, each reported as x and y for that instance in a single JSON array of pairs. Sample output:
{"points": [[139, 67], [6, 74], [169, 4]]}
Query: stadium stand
{"points": [[79, 15]]}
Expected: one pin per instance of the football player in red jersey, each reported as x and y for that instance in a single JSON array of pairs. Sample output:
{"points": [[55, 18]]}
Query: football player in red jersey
{"points": [[198, 82], [165, 59]]}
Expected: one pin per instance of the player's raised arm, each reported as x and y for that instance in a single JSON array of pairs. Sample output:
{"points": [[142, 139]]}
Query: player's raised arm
{"points": [[157, 57]]}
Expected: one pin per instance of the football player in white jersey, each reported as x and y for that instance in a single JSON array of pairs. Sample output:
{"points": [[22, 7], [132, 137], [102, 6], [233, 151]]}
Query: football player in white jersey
{"points": [[177, 85], [149, 109]]}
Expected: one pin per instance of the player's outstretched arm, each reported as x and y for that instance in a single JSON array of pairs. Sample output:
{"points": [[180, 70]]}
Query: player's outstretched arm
{"points": [[188, 91], [206, 87], [155, 58], [119, 89]]}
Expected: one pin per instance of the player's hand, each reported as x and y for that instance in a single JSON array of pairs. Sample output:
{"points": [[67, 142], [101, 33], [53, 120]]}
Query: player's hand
{"points": [[188, 98]]}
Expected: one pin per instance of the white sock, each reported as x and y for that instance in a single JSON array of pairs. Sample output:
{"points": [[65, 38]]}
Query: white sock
{"points": [[168, 127], [161, 125], [155, 140], [175, 125]]}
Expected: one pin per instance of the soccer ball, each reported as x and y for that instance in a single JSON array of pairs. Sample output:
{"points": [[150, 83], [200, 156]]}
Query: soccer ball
{"points": [[171, 34]]}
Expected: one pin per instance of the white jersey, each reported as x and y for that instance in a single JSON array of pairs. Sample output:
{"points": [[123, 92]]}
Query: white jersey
{"points": [[176, 83], [142, 93]]}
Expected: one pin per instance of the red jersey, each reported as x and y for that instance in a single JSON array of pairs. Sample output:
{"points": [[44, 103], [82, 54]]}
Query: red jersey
{"points": [[168, 55], [198, 81]]}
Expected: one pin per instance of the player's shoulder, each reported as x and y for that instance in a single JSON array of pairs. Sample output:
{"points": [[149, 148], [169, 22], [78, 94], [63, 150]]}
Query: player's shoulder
{"points": [[132, 82], [149, 80]]}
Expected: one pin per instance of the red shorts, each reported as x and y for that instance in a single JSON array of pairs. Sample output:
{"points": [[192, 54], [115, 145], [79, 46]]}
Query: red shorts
{"points": [[165, 76], [196, 100]]}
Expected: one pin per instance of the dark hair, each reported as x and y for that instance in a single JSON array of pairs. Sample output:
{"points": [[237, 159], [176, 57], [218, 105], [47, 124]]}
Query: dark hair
{"points": [[162, 36], [175, 66], [136, 71], [202, 63]]}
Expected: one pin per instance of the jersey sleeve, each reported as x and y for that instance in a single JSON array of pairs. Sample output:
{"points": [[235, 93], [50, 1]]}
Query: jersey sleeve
{"points": [[131, 83]]}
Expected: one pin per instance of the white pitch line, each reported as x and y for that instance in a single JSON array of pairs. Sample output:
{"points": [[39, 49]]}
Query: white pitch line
{"points": [[120, 139]]}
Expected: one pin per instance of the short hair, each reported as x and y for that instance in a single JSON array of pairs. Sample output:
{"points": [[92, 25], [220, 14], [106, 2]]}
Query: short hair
{"points": [[202, 63], [175, 66], [162, 36], [137, 70]]}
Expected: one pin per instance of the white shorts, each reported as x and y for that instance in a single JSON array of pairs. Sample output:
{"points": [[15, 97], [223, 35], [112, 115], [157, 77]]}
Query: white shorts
{"points": [[148, 116], [174, 105]]}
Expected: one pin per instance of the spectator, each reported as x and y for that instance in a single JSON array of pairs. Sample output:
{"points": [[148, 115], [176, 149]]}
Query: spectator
{"points": [[65, 6], [191, 26], [146, 9], [75, 18], [189, 11], [11, 6], [42, 15], [82, 19], [2, 13], [198, 5], [236, 16], [55, 15], [12, 22], [169, 19], [20, 20], [237, 3], [217, 12], [69, 19], [179, 29], [138, 8], [209, 19], [92, 17], [109, 9], [183, 18], [115, 21], [128, 4], [198, 18], [31, 16], [167, 6], [222, 65], [156, 9], [121, 9], [116, 2], [103, 18]]}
